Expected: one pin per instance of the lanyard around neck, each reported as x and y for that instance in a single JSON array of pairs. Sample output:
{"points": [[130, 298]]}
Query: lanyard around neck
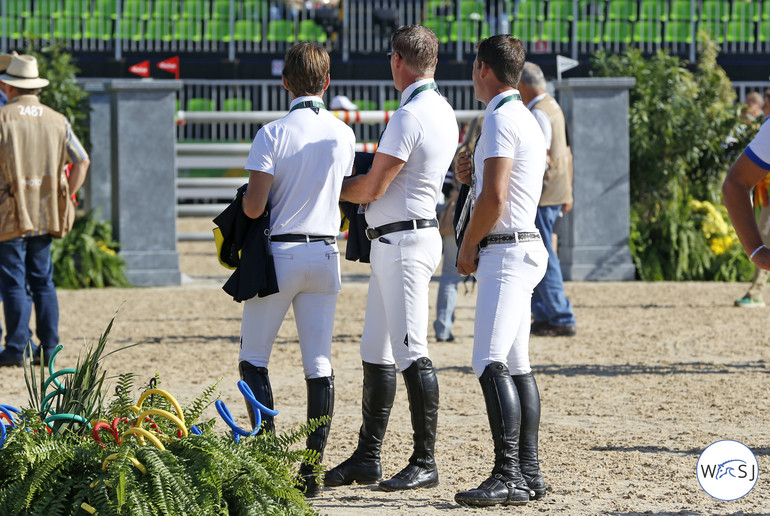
{"points": [[512, 96], [314, 104], [429, 86]]}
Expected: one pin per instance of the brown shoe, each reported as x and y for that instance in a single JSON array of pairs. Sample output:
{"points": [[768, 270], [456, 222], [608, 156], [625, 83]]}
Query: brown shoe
{"points": [[548, 330]]}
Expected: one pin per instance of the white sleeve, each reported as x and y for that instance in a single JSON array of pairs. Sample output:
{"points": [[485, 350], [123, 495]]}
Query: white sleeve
{"points": [[545, 125], [758, 150], [401, 136], [261, 156]]}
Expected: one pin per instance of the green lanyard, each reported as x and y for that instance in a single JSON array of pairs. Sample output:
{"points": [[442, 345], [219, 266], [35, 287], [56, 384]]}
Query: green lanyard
{"points": [[429, 86], [512, 96], [309, 104]]}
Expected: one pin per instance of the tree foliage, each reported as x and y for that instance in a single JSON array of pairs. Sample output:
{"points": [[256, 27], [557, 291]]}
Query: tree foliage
{"points": [[685, 131]]}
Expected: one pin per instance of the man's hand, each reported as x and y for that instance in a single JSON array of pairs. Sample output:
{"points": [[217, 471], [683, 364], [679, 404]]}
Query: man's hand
{"points": [[467, 259], [464, 167], [566, 207]]}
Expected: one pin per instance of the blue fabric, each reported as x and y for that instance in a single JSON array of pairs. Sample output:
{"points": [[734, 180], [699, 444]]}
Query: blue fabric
{"points": [[549, 304], [26, 268], [756, 159], [447, 289]]}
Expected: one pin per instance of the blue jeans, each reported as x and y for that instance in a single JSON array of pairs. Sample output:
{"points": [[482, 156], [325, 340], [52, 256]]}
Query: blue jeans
{"points": [[26, 263], [447, 289], [549, 304]]}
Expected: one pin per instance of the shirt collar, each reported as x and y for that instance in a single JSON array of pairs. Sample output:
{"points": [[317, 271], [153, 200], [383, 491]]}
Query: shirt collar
{"points": [[536, 100], [496, 100], [17, 98], [305, 99], [409, 89]]}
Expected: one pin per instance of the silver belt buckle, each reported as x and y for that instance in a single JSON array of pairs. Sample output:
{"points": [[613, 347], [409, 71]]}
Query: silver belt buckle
{"points": [[371, 233]]}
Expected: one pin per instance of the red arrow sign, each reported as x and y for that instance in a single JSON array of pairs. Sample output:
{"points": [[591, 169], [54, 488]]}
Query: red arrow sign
{"points": [[142, 69], [171, 65]]}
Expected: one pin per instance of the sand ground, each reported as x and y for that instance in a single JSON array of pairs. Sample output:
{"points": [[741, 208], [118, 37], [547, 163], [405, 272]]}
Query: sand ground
{"points": [[657, 372]]}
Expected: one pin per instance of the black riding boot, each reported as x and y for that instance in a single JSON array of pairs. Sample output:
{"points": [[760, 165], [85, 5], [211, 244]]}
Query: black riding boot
{"points": [[530, 422], [422, 390], [259, 383], [506, 486], [377, 400], [320, 403]]}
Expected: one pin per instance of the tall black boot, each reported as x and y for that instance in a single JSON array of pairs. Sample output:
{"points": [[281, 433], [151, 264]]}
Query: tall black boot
{"points": [[530, 423], [422, 389], [506, 486], [259, 383], [378, 394], [320, 403]]}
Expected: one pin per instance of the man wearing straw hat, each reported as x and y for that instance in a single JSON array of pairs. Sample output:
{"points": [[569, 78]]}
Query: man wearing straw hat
{"points": [[36, 142]]}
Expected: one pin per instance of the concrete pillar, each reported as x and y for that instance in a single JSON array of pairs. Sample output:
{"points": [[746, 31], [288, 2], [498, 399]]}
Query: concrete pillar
{"points": [[144, 179], [593, 237], [98, 186]]}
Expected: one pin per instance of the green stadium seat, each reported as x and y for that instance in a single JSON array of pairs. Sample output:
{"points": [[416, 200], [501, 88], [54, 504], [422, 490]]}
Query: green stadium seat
{"points": [[646, 31], [677, 32], [158, 30], [560, 10], [97, 28], [67, 28], [18, 8], [366, 105], [137, 9], [166, 9], [247, 30], [255, 10], [472, 10], [36, 27], [188, 30], [764, 30], [129, 29], [556, 31], [195, 104], [526, 30], [391, 105], [592, 9], [766, 10], [715, 10], [741, 31], [439, 9], [280, 30], [76, 8], [104, 9], [440, 26], [13, 27], [617, 32], [309, 30], [745, 11], [45, 9], [715, 28], [196, 9], [532, 10], [589, 31], [472, 31], [217, 30], [236, 105], [655, 10], [622, 10], [680, 11], [221, 10]]}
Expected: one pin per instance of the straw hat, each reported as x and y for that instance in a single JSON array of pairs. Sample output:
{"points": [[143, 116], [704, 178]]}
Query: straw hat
{"points": [[5, 60], [22, 73]]}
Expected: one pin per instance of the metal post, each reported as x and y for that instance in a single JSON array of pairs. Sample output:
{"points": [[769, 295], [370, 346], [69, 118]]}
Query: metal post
{"points": [[345, 31], [231, 28]]}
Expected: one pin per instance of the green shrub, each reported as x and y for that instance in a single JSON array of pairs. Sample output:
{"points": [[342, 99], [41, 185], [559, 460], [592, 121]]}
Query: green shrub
{"points": [[685, 131]]}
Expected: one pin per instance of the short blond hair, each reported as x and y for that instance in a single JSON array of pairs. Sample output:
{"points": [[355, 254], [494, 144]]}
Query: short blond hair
{"points": [[418, 47], [305, 69]]}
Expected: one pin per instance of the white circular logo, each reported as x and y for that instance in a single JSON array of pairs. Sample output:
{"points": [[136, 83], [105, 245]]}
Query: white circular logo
{"points": [[727, 470]]}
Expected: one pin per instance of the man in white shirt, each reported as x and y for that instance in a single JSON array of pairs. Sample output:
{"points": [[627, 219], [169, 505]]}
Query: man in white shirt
{"points": [[400, 192], [502, 246], [297, 164]]}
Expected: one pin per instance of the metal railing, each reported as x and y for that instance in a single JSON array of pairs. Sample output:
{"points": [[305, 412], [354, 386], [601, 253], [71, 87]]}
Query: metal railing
{"points": [[362, 27]]}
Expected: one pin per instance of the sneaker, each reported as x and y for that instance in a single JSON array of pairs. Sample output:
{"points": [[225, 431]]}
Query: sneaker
{"points": [[548, 330], [748, 302], [451, 338]]}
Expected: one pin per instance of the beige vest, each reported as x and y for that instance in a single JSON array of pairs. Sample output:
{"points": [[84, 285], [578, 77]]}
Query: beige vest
{"points": [[557, 182], [34, 193]]}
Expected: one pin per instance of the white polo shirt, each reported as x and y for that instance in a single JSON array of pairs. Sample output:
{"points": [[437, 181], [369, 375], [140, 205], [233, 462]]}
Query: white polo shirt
{"points": [[422, 132], [758, 150], [308, 152], [511, 131], [542, 119]]}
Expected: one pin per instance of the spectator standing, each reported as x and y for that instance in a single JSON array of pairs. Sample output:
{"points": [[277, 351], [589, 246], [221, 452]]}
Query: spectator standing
{"points": [[401, 192], [35, 205], [551, 308]]}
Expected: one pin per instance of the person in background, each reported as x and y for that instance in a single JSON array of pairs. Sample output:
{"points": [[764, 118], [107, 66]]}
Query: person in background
{"points": [[446, 298], [551, 308], [35, 144]]}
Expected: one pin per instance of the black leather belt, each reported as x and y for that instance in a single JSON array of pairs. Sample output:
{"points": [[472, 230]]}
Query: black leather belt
{"points": [[302, 238], [507, 238], [404, 225]]}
